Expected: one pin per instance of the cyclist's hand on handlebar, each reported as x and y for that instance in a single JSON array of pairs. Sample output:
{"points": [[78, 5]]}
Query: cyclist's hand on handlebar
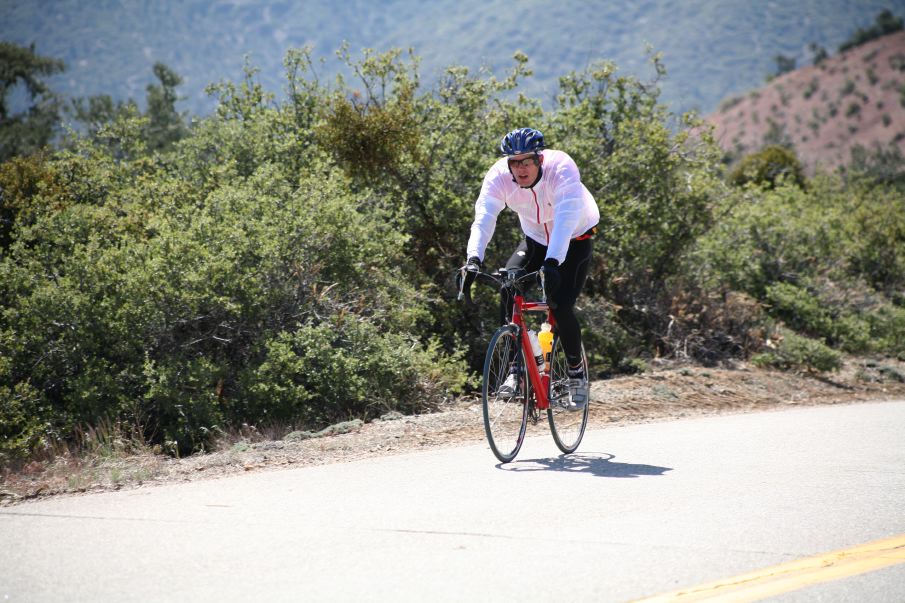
{"points": [[466, 277], [550, 279]]}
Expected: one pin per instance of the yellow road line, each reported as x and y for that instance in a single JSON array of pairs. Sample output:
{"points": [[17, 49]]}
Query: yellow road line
{"points": [[791, 576]]}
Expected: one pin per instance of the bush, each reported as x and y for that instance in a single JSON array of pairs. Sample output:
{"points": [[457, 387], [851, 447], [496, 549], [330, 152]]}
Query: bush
{"points": [[767, 167], [887, 330], [767, 236], [290, 261], [799, 309], [655, 189], [876, 223], [709, 326], [24, 422], [837, 321], [319, 374], [152, 298], [826, 260], [794, 352], [607, 342]]}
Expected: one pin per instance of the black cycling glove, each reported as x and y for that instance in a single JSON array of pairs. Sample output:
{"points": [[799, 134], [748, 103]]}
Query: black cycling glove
{"points": [[466, 277]]}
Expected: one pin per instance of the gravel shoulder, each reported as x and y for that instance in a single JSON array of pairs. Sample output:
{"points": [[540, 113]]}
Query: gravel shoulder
{"points": [[667, 392]]}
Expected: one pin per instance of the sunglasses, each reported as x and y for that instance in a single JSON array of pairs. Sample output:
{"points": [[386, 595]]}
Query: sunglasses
{"points": [[526, 162]]}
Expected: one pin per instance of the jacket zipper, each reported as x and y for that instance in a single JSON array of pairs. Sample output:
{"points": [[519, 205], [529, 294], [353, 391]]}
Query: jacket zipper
{"points": [[537, 206]]}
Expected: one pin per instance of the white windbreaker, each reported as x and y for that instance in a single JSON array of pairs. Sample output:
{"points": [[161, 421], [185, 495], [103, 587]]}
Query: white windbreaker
{"points": [[557, 209]]}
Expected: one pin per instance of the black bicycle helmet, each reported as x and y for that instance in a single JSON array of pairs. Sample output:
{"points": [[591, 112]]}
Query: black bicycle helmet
{"points": [[523, 140]]}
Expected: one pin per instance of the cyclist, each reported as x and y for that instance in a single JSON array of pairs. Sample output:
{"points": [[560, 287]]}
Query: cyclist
{"points": [[558, 217]]}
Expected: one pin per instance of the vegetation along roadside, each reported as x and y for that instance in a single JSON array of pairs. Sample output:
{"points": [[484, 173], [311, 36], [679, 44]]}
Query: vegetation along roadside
{"points": [[168, 283]]}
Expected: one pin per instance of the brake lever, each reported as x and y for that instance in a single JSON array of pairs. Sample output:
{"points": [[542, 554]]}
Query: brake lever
{"points": [[463, 292], [543, 290]]}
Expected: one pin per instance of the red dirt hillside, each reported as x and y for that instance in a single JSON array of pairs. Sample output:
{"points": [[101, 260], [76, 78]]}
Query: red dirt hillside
{"points": [[854, 98]]}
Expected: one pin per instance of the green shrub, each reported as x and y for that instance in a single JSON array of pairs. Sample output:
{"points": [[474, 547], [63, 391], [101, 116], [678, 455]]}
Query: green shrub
{"points": [[319, 374], [607, 342], [767, 167], [655, 189], [827, 261], [767, 236], [24, 422], [818, 316], [155, 307], [288, 261], [795, 352], [811, 88], [876, 226], [887, 330], [799, 309], [892, 373], [853, 334]]}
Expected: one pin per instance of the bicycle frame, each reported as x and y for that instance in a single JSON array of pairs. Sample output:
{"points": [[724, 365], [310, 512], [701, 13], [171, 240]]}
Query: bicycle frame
{"points": [[540, 384]]}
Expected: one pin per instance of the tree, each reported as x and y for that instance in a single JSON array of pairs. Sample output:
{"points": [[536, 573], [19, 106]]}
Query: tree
{"points": [[97, 111], [818, 53], [784, 64], [886, 23], [27, 131], [165, 124], [159, 127]]}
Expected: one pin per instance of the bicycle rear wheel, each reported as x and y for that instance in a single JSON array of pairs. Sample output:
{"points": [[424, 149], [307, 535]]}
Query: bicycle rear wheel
{"points": [[567, 426], [505, 415]]}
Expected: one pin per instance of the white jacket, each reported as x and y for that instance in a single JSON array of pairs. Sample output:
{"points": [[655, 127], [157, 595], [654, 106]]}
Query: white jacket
{"points": [[557, 209]]}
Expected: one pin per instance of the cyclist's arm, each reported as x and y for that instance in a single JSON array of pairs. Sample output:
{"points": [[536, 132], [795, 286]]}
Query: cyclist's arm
{"points": [[487, 208], [573, 205]]}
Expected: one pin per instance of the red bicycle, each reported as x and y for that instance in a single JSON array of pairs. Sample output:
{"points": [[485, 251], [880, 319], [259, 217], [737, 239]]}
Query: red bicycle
{"points": [[532, 386]]}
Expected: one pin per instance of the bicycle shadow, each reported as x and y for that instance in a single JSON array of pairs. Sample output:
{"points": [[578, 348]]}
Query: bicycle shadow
{"points": [[600, 465]]}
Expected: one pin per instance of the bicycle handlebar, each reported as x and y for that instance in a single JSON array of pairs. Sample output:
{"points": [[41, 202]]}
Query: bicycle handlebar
{"points": [[502, 278]]}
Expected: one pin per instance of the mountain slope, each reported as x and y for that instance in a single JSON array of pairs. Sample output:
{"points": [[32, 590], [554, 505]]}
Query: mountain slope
{"points": [[712, 48], [823, 111]]}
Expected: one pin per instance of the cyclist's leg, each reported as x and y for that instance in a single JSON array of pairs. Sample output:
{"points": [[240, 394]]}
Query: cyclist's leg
{"points": [[574, 272]]}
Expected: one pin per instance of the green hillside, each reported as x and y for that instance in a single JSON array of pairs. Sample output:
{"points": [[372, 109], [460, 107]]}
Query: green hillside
{"points": [[711, 49]]}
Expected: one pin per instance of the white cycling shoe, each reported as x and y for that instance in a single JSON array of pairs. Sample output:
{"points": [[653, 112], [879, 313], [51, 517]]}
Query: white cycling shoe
{"points": [[579, 390], [509, 387]]}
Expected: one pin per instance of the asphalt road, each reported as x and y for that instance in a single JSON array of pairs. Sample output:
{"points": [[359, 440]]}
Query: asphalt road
{"points": [[640, 510]]}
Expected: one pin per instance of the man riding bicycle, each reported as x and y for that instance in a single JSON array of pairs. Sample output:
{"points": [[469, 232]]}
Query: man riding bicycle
{"points": [[558, 216]]}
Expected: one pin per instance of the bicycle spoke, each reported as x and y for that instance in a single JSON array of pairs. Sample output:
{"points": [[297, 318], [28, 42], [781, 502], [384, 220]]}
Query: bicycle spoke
{"points": [[505, 412], [567, 426]]}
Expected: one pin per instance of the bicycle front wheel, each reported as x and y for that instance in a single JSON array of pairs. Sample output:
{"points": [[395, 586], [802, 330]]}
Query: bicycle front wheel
{"points": [[567, 426], [505, 408]]}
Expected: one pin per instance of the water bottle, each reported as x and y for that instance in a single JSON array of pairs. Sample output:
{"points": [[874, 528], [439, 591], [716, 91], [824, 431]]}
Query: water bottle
{"points": [[536, 350], [546, 343]]}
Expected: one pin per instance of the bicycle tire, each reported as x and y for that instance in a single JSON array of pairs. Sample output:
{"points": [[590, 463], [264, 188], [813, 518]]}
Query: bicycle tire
{"points": [[566, 426], [505, 417]]}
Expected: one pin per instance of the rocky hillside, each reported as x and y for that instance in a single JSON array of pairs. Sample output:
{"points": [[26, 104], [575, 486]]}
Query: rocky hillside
{"points": [[854, 98]]}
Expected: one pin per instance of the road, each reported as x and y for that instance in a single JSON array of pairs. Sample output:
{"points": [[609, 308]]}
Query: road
{"points": [[641, 510]]}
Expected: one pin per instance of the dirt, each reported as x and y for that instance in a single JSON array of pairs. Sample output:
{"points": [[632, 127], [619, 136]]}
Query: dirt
{"points": [[667, 392]]}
